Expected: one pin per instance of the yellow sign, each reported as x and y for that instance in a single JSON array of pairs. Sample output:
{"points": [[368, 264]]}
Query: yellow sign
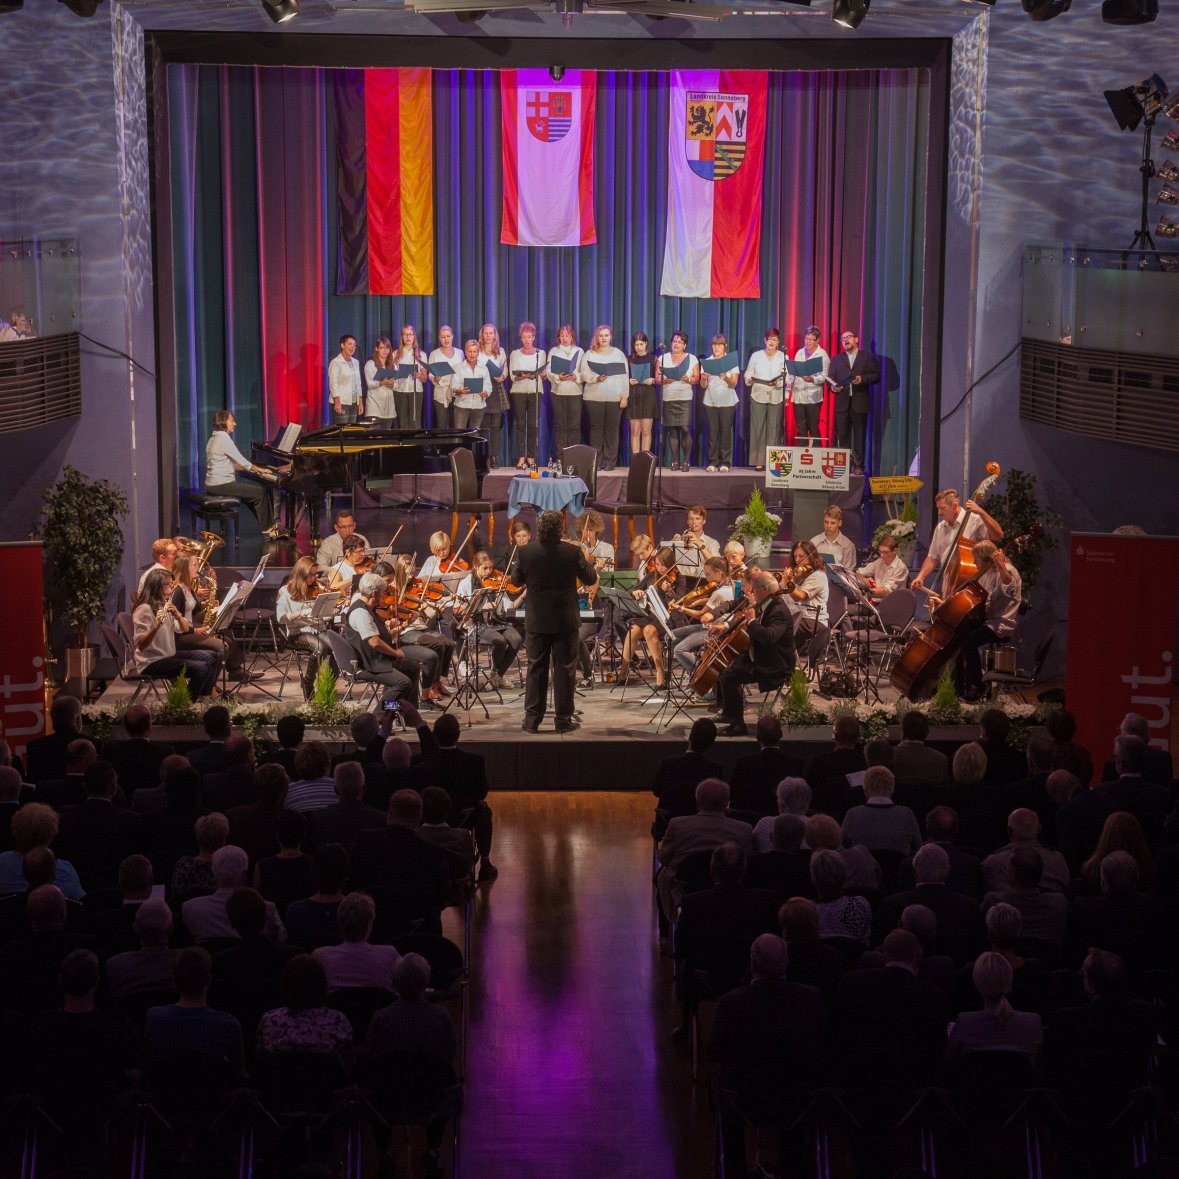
{"points": [[894, 484]]}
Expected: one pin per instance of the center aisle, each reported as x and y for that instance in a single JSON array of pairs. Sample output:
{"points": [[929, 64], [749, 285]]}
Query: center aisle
{"points": [[570, 1069]]}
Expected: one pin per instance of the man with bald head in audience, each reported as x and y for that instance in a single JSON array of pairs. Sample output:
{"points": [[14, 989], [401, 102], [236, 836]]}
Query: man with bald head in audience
{"points": [[1023, 830], [1132, 791], [1157, 767]]}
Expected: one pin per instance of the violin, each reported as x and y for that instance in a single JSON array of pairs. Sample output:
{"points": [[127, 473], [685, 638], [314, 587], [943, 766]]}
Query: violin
{"points": [[696, 597], [497, 581], [792, 576]]}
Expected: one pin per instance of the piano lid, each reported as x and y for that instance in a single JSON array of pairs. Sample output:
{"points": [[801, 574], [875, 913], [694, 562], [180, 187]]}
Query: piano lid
{"points": [[355, 438]]}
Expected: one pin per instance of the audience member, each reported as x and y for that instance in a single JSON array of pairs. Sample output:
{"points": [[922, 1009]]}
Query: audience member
{"points": [[412, 1023], [863, 872], [913, 760], [1121, 918], [312, 923], [289, 730], [793, 797], [45, 757], [138, 760], [192, 876], [149, 968], [305, 1023], [812, 961], [287, 876], [96, 836], [785, 868], [756, 775], [1066, 753], [1023, 830], [209, 758], [169, 812], [1157, 765], [339, 822], [1044, 912], [69, 788], [998, 1027], [29, 965], [35, 826], [1131, 791], [1031, 793], [368, 741], [355, 962], [436, 830], [207, 919], [10, 803], [463, 776], [1004, 764], [1121, 832], [827, 773], [941, 829], [843, 916], [314, 788], [880, 824], [254, 828], [114, 927], [1080, 816], [232, 785], [677, 775], [190, 1027]]}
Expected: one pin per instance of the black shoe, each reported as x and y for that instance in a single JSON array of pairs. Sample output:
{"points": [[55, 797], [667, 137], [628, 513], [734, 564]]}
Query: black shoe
{"points": [[568, 726], [734, 730], [529, 727], [487, 871]]}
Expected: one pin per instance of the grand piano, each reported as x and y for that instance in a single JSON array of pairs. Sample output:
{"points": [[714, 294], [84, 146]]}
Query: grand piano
{"points": [[336, 457]]}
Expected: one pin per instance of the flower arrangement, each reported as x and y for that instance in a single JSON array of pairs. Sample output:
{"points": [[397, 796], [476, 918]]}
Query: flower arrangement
{"points": [[903, 526], [755, 523]]}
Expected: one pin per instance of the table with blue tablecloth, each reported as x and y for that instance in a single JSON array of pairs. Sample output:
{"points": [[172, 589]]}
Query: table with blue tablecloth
{"points": [[561, 493]]}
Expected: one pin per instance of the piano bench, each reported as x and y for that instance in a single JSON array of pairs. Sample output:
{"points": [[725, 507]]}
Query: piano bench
{"points": [[212, 507]]}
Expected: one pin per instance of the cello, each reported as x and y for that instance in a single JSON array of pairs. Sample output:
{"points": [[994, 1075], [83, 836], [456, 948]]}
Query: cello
{"points": [[720, 654]]}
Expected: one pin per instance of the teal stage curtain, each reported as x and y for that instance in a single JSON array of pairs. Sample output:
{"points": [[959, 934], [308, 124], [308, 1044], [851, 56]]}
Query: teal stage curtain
{"points": [[253, 173]]}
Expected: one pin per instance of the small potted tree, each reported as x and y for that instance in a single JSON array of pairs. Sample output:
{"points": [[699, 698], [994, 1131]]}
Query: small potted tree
{"points": [[756, 528], [83, 538]]}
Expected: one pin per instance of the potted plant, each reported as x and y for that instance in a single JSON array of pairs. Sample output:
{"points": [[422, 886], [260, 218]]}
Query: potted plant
{"points": [[1029, 527], [902, 526], [80, 526], [756, 528]]}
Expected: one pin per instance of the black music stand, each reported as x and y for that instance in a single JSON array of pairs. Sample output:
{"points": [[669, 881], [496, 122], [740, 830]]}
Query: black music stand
{"points": [[233, 601], [852, 585], [659, 612], [468, 693]]}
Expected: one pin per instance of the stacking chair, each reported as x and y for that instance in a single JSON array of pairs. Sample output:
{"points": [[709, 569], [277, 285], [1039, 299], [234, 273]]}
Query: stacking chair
{"points": [[896, 612], [640, 495], [464, 494], [350, 670], [127, 673], [584, 461]]}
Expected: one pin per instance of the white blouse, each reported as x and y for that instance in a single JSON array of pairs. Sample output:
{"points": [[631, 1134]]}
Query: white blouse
{"points": [[444, 386], [407, 356], [612, 388], [809, 390], [380, 397], [718, 391], [463, 399], [678, 390], [763, 368], [519, 362], [570, 384]]}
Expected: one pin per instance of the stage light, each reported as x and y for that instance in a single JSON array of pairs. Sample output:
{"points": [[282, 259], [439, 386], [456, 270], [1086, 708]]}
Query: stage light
{"points": [[849, 14], [1168, 195], [1168, 173], [1129, 12], [11, 5], [1169, 263], [1045, 9], [281, 11], [1132, 104], [1167, 228], [556, 72], [81, 7]]}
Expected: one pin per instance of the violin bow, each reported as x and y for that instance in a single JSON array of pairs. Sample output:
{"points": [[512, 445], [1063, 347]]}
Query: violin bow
{"points": [[455, 555]]}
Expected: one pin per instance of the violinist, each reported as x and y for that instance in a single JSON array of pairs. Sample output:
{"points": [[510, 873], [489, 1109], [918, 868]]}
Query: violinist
{"points": [[441, 559], [519, 535], [491, 629], [376, 646], [662, 577], [702, 605], [292, 610], [588, 527], [979, 526], [431, 649], [1004, 589], [768, 661], [642, 549], [807, 588], [734, 555]]}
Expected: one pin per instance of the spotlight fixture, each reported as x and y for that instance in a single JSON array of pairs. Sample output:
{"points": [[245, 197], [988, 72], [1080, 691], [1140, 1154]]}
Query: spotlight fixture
{"points": [[1168, 196], [11, 5], [849, 14], [1132, 104], [1129, 12], [1169, 263], [1046, 9], [1167, 228], [81, 7], [1171, 141], [556, 72], [1171, 109], [1168, 173], [281, 11]]}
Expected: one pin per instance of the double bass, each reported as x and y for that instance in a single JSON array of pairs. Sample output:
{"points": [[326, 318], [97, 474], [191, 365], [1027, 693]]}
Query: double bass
{"points": [[720, 654]]}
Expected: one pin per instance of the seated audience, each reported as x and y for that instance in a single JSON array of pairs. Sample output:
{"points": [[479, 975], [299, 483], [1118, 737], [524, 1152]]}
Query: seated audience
{"points": [[45, 757], [233, 784], [1120, 918], [811, 961], [1004, 764], [305, 1023], [96, 836], [785, 868], [68, 788], [436, 830], [1029, 992], [148, 968], [412, 1023], [368, 742], [1080, 816], [1121, 832], [287, 876], [793, 797], [312, 923], [941, 829], [880, 824], [998, 1027], [1149, 802], [190, 1027], [1023, 831], [11, 789], [138, 760], [313, 787], [193, 875], [1066, 753], [35, 826], [209, 758], [355, 962], [340, 822], [289, 730], [756, 775], [254, 828], [863, 872], [206, 918], [463, 776], [169, 812], [1044, 912], [840, 915], [114, 927], [677, 775], [1157, 764], [913, 760], [827, 773], [1031, 793], [30, 965]]}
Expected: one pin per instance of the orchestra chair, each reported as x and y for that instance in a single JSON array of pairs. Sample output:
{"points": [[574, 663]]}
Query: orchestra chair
{"points": [[640, 495], [351, 673], [995, 682], [464, 494], [584, 461], [212, 508], [896, 612], [127, 673]]}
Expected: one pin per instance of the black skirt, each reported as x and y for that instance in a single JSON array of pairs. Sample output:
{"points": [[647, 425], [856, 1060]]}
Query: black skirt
{"points": [[641, 402]]}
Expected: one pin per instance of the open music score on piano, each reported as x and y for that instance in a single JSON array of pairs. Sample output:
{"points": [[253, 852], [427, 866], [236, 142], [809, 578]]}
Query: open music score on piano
{"points": [[336, 457]]}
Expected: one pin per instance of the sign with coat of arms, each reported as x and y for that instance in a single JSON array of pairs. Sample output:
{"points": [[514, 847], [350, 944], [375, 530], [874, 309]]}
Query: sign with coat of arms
{"points": [[715, 132], [548, 113], [820, 468]]}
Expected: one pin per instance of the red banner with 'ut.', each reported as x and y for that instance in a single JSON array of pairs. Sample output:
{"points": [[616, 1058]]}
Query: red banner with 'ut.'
{"points": [[1121, 635], [22, 650]]}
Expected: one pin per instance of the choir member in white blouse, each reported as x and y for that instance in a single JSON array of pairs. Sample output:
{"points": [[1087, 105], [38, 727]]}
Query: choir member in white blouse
{"points": [[407, 391], [497, 399], [677, 400], [445, 353], [566, 390], [380, 389], [764, 374], [720, 407], [468, 406], [526, 366], [605, 396], [806, 393]]}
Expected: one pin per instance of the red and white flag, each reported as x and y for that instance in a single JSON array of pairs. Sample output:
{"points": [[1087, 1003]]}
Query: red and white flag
{"points": [[548, 156]]}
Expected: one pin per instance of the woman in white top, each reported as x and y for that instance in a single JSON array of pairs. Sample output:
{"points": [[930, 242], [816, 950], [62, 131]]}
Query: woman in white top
{"points": [[223, 460], [293, 609], [468, 406], [806, 393], [605, 395], [497, 398], [190, 594], [445, 353], [380, 400], [764, 375], [526, 366], [566, 390], [720, 407], [407, 391], [640, 409], [807, 590], [157, 622], [677, 400]]}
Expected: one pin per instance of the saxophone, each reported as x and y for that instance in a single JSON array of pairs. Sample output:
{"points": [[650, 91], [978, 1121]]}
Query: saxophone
{"points": [[209, 580]]}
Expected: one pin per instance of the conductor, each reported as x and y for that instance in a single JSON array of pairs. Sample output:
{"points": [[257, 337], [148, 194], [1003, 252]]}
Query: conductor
{"points": [[550, 568]]}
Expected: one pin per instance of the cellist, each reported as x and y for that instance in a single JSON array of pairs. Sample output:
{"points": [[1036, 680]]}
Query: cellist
{"points": [[769, 660], [979, 525]]}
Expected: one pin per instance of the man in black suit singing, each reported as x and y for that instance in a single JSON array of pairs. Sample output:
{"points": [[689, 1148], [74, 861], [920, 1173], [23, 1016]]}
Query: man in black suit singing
{"points": [[769, 659], [852, 373], [551, 568]]}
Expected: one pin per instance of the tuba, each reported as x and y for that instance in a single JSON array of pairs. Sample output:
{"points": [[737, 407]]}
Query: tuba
{"points": [[203, 549]]}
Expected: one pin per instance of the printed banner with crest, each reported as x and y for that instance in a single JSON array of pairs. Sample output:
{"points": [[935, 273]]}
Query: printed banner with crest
{"points": [[716, 145], [548, 158]]}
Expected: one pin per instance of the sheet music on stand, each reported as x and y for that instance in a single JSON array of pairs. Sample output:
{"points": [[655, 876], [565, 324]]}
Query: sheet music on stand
{"points": [[625, 607], [230, 605], [688, 559], [855, 589], [658, 609]]}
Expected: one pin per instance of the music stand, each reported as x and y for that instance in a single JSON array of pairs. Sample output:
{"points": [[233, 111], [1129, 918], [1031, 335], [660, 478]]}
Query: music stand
{"points": [[659, 612], [854, 587], [468, 692], [233, 601]]}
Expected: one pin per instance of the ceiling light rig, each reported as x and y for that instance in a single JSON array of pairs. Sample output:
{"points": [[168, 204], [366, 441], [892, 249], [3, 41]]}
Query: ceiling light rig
{"points": [[281, 11], [1046, 9], [849, 14], [1129, 12]]}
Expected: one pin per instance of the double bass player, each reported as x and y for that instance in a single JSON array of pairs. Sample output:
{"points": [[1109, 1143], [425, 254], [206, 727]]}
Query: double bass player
{"points": [[768, 661], [978, 525]]}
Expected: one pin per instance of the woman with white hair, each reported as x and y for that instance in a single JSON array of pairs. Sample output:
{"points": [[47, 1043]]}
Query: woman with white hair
{"points": [[998, 1027], [840, 916]]}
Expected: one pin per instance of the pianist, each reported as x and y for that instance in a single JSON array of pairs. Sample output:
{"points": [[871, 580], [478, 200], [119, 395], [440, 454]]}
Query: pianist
{"points": [[223, 460], [331, 551]]}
